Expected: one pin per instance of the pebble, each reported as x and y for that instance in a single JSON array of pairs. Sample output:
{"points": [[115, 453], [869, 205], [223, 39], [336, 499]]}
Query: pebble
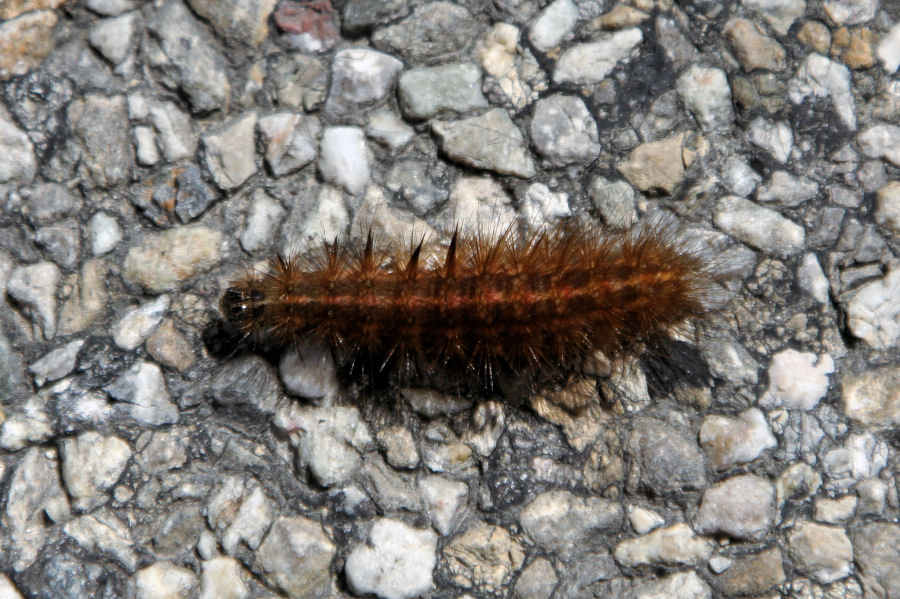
{"points": [[290, 141], [752, 574], [145, 145], [240, 513], [775, 138], [780, 14], [888, 50], [664, 458], [881, 141], [309, 27], [739, 177], [102, 532], [61, 243], [395, 562], [448, 456], [101, 123], [56, 364], [643, 520], [590, 63], [706, 94], [399, 446], [30, 425], [732, 441], [113, 37], [47, 203], [344, 158], [174, 132], [680, 585], [536, 581], [263, 218], [861, 456], [787, 190], [390, 491], [222, 578], [168, 347], [245, 20], [25, 41], [163, 580], [565, 523], [797, 380], [563, 130], [877, 554], [413, 180], [430, 33], [553, 24], [658, 165], [330, 441], [816, 35], [453, 87], [823, 552], [873, 313], [311, 375], [246, 381], [143, 388], [445, 502], [872, 398], [490, 141], [811, 278], [162, 451], [614, 200], [673, 546], [475, 200], [34, 288], [540, 206], [163, 261], [484, 558], [295, 557], [229, 153], [850, 12], [835, 511], [187, 57], [18, 165], [87, 302], [389, 130], [887, 214], [873, 497], [35, 499], [820, 77], [759, 227], [740, 507], [753, 48], [139, 323], [360, 76]]}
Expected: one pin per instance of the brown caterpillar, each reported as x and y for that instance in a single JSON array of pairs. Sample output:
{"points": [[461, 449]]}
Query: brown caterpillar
{"points": [[536, 305]]}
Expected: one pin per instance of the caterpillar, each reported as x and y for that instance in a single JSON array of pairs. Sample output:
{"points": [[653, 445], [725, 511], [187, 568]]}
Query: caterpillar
{"points": [[480, 307]]}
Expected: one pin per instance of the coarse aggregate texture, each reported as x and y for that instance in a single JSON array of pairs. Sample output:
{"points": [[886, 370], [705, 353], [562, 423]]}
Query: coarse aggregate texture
{"points": [[149, 151]]}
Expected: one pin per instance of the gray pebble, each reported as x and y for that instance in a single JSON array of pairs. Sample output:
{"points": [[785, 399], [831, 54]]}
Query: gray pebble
{"points": [[101, 123], [19, 164], [290, 141], [759, 227], [179, 49], [359, 76], [490, 141], [430, 33], [229, 153], [453, 87], [61, 243], [344, 158], [262, 222], [590, 63], [741, 507], [139, 323], [143, 389], [563, 131], [57, 363], [295, 557], [565, 523], [34, 288]]}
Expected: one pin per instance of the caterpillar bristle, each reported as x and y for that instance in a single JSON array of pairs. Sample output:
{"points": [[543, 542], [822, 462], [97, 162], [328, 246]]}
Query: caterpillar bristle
{"points": [[484, 308]]}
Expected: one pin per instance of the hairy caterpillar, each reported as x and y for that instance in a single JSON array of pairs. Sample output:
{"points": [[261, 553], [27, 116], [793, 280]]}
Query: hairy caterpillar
{"points": [[480, 308]]}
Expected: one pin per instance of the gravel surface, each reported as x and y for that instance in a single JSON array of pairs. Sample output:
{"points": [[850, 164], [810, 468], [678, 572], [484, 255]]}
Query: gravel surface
{"points": [[151, 150]]}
